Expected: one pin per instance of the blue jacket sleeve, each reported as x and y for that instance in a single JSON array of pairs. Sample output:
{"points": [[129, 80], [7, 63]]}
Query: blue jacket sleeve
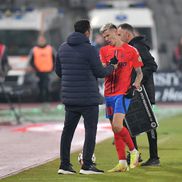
{"points": [[96, 66]]}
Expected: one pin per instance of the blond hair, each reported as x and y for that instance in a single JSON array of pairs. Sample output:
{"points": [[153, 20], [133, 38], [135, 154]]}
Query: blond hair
{"points": [[106, 27]]}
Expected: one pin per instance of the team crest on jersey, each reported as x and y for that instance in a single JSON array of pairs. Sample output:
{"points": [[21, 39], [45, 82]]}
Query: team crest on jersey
{"points": [[122, 55], [122, 64]]}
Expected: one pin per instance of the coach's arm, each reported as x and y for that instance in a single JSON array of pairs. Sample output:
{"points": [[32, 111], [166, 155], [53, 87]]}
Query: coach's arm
{"points": [[97, 68]]}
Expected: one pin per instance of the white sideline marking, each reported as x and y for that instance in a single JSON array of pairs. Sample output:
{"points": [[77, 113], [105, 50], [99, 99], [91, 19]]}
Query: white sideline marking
{"points": [[28, 146]]}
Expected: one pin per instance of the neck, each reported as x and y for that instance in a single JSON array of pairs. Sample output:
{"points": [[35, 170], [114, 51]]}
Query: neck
{"points": [[87, 34], [119, 43], [43, 45]]}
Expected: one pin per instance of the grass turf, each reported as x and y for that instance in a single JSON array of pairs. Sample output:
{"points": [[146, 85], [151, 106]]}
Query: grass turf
{"points": [[170, 152]]}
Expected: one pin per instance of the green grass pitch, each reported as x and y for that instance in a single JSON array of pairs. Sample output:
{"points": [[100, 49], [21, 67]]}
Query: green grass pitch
{"points": [[170, 152]]}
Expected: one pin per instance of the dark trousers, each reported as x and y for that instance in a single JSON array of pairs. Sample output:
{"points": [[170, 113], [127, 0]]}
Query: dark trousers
{"points": [[152, 139], [43, 86], [72, 117]]}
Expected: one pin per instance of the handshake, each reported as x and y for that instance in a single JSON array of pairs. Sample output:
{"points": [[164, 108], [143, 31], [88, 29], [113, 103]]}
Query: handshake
{"points": [[113, 61]]}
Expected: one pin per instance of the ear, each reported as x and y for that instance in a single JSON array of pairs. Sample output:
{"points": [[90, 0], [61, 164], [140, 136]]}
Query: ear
{"points": [[128, 34], [87, 33]]}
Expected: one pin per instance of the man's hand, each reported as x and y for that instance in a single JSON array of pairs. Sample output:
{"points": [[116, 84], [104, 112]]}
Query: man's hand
{"points": [[136, 85], [114, 60]]}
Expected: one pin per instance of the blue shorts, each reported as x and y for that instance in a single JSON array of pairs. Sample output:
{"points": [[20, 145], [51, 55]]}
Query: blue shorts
{"points": [[116, 104]]}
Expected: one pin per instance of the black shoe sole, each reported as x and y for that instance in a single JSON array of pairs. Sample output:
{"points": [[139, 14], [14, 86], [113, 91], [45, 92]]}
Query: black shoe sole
{"points": [[148, 165]]}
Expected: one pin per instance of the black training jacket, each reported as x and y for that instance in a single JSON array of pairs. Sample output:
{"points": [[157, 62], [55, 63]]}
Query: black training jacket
{"points": [[149, 67]]}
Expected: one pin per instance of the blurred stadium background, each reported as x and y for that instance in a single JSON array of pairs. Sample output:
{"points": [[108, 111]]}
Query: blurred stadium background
{"points": [[22, 21], [20, 34], [23, 106], [167, 16]]}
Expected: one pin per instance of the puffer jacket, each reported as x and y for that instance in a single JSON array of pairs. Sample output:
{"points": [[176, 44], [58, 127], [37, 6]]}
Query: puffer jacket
{"points": [[78, 65]]}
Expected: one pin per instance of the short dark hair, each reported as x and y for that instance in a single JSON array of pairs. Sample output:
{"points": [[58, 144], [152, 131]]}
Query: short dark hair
{"points": [[82, 26], [127, 26], [107, 26]]}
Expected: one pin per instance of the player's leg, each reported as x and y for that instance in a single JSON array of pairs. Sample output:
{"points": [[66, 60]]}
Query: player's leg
{"points": [[121, 107], [136, 146], [133, 138], [119, 143], [122, 166], [121, 133]]}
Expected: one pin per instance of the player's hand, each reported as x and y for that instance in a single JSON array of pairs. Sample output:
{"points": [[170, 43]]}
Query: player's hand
{"points": [[114, 60], [131, 92], [136, 85]]}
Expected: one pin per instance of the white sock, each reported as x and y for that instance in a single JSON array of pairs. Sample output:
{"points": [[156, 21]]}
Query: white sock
{"points": [[134, 150], [123, 162]]}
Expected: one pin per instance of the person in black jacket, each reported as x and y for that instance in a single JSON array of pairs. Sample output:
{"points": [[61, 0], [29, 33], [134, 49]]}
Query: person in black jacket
{"points": [[127, 34], [78, 65], [4, 65]]}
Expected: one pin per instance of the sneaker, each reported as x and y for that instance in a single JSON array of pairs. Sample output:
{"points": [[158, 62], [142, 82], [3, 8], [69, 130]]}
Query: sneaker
{"points": [[90, 170], [151, 162], [128, 158], [66, 170], [119, 168], [134, 156]]}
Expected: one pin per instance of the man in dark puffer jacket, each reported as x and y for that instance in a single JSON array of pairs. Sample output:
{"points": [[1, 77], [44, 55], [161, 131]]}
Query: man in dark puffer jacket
{"points": [[78, 65], [127, 34]]}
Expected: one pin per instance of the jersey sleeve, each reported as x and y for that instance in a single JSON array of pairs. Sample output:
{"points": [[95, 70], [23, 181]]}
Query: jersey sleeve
{"points": [[136, 59], [102, 55]]}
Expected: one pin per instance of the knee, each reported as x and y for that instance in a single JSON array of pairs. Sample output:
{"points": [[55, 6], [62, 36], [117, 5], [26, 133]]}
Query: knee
{"points": [[117, 129], [90, 135]]}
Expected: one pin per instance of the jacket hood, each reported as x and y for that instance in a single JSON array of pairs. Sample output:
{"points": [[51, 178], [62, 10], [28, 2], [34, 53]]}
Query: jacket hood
{"points": [[140, 39], [77, 38]]}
